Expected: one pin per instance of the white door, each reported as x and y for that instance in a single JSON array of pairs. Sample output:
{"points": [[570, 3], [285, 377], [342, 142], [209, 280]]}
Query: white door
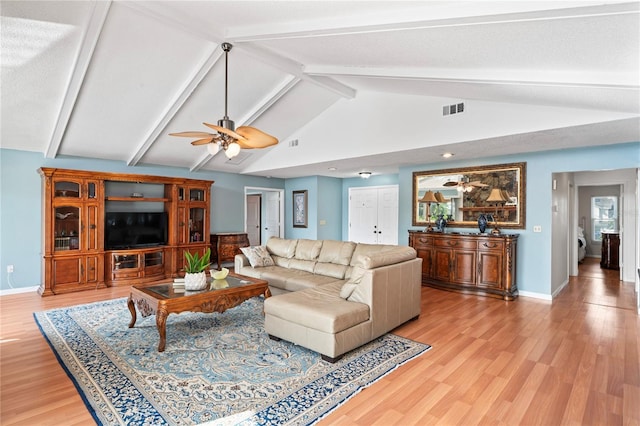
{"points": [[254, 202], [363, 215], [272, 213], [373, 215], [388, 215]]}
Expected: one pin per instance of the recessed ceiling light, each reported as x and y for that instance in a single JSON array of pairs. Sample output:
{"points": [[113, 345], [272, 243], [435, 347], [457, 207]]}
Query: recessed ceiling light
{"points": [[333, 169], [447, 155]]}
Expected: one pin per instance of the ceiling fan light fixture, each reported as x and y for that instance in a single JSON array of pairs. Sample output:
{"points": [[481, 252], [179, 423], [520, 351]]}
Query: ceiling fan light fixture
{"points": [[213, 148], [232, 150]]}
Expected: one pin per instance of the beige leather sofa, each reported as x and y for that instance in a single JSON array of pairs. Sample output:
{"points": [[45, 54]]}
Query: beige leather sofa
{"points": [[334, 296]]}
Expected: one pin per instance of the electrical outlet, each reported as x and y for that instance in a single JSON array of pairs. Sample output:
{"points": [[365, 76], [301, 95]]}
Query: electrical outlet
{"points": [[9, 268], [537, 228]]}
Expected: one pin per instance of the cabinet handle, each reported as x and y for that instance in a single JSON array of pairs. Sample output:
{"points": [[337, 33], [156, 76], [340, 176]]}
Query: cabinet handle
{"points": [[181, 223], [93, 226], [452, 243], [494, 245]]}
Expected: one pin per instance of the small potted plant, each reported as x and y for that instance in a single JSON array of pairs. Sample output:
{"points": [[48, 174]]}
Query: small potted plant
{"points": [[195, 277]]}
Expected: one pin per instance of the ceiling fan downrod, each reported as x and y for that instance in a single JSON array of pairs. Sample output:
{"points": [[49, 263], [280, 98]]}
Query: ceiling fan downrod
{"points": [[225, 121]]}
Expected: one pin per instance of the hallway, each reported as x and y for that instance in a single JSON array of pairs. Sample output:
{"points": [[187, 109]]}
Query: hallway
{"points": [[603, 286]]}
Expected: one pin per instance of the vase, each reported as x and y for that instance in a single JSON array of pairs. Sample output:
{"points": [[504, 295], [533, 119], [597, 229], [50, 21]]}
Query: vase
{"points": [[482, 223], [441, 223], [194, 282]]}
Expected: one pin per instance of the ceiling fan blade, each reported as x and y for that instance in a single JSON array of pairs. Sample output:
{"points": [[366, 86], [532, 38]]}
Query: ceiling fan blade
{"points": [[478, 184], [450, 183], [256, 138], [226, 132], [202, 141], [193, 134]]}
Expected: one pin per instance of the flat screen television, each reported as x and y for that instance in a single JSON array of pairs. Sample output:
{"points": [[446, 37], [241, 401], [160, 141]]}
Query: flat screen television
{"points": [[134, 229]]}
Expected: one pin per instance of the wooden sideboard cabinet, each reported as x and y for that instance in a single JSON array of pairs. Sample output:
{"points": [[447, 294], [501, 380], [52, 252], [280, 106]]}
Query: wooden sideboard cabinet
{"points": [[225, 246], [609, 258], [469, 263]]}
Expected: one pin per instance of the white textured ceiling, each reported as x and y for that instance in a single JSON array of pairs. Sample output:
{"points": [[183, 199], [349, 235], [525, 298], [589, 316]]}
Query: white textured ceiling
{"points": [[358, 84]]}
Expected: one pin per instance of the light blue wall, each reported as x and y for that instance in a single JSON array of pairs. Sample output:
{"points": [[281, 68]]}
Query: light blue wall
{"points": [[329, 208], [20, 202], [21, 205]]}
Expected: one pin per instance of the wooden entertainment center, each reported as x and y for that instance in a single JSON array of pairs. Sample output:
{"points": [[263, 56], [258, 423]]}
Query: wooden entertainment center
{"points": [[75, 204]]}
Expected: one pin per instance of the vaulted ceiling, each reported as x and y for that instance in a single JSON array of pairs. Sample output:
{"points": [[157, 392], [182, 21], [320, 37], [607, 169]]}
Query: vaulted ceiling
{"points": [[344, 85]]}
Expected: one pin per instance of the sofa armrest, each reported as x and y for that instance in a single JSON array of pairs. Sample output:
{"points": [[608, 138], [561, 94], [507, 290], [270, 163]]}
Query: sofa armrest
{"points": [[240, 261], [389, 257], [393, 293]]}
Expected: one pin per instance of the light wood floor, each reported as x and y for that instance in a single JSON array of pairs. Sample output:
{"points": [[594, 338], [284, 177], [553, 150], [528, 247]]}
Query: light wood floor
{"points": [[529, 362]]}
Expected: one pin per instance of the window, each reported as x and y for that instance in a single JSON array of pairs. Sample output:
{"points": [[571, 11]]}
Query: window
{"points": [[604, 215]]}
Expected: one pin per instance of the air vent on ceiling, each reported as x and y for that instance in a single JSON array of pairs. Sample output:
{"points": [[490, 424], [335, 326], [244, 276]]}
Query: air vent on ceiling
{"points": [[293, 143], [453, 109]]}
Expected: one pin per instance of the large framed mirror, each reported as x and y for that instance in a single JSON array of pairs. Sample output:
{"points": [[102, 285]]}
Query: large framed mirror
{"points": [[463, 194]]}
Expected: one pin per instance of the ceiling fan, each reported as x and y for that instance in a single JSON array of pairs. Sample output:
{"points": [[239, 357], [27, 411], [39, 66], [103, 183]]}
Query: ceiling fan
{"points": [[228, 137], [464, 185]]}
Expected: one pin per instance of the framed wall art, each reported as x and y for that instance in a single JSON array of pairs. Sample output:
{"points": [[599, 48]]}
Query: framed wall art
{"points": [[300, 209]]}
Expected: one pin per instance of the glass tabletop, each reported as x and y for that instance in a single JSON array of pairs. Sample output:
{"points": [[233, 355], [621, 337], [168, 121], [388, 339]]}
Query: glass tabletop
{"points": [[168, 291]]}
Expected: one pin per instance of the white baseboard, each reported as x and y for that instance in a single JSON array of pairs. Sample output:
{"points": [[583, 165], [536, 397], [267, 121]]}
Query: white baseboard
{"points": [[535, 295], [18, 290]]}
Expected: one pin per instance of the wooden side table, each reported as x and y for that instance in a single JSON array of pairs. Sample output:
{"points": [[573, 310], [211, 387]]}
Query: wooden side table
{"points": [[225, 246]]}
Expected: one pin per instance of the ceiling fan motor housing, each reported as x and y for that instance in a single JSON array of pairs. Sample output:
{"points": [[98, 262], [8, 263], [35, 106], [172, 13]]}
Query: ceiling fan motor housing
{"points": [[227, 123]]}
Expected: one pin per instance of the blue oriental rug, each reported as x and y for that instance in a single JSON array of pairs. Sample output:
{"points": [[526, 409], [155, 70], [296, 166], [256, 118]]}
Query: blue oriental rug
{"points": [[216, 369]]}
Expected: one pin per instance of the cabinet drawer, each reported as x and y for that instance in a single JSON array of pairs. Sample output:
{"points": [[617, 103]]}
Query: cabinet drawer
{"points": [[490, 245], [455, 243], [125, 273], [150, 271], [423, 241]]}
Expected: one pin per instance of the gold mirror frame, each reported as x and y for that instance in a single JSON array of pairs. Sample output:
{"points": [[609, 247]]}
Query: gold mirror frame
{"points": [[462, 205]]}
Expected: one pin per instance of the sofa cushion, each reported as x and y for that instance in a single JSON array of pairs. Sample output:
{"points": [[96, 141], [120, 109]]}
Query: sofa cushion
{"points": [[302, 265], [258, 256], [282, 247], [338, 252], [308, 249], [371, 256], [356, 276], [319, 308], [330, 270], [294, 279]]}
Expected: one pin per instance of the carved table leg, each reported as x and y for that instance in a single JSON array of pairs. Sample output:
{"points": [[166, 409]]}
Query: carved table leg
{"points": [[132, 309], [267, 293], [161, 323]]}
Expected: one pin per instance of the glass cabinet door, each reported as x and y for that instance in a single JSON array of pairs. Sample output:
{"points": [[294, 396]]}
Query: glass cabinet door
{"points": [[68, 189], [196, 194], [153, 258], [67, 228], [196, 224]]}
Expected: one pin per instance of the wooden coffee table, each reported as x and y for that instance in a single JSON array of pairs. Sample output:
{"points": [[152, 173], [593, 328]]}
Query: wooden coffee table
{"points": [[162, 299]]}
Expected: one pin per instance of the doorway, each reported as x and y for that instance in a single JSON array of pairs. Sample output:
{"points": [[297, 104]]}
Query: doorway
{"points": [[268, 217], [627, 181]]}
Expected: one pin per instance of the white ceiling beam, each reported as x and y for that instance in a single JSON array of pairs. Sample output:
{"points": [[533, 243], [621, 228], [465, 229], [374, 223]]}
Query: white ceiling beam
{"points": [[607, 80], [296, 69], [175, 106], [83, 60], [452, 15], [271, 98]]}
